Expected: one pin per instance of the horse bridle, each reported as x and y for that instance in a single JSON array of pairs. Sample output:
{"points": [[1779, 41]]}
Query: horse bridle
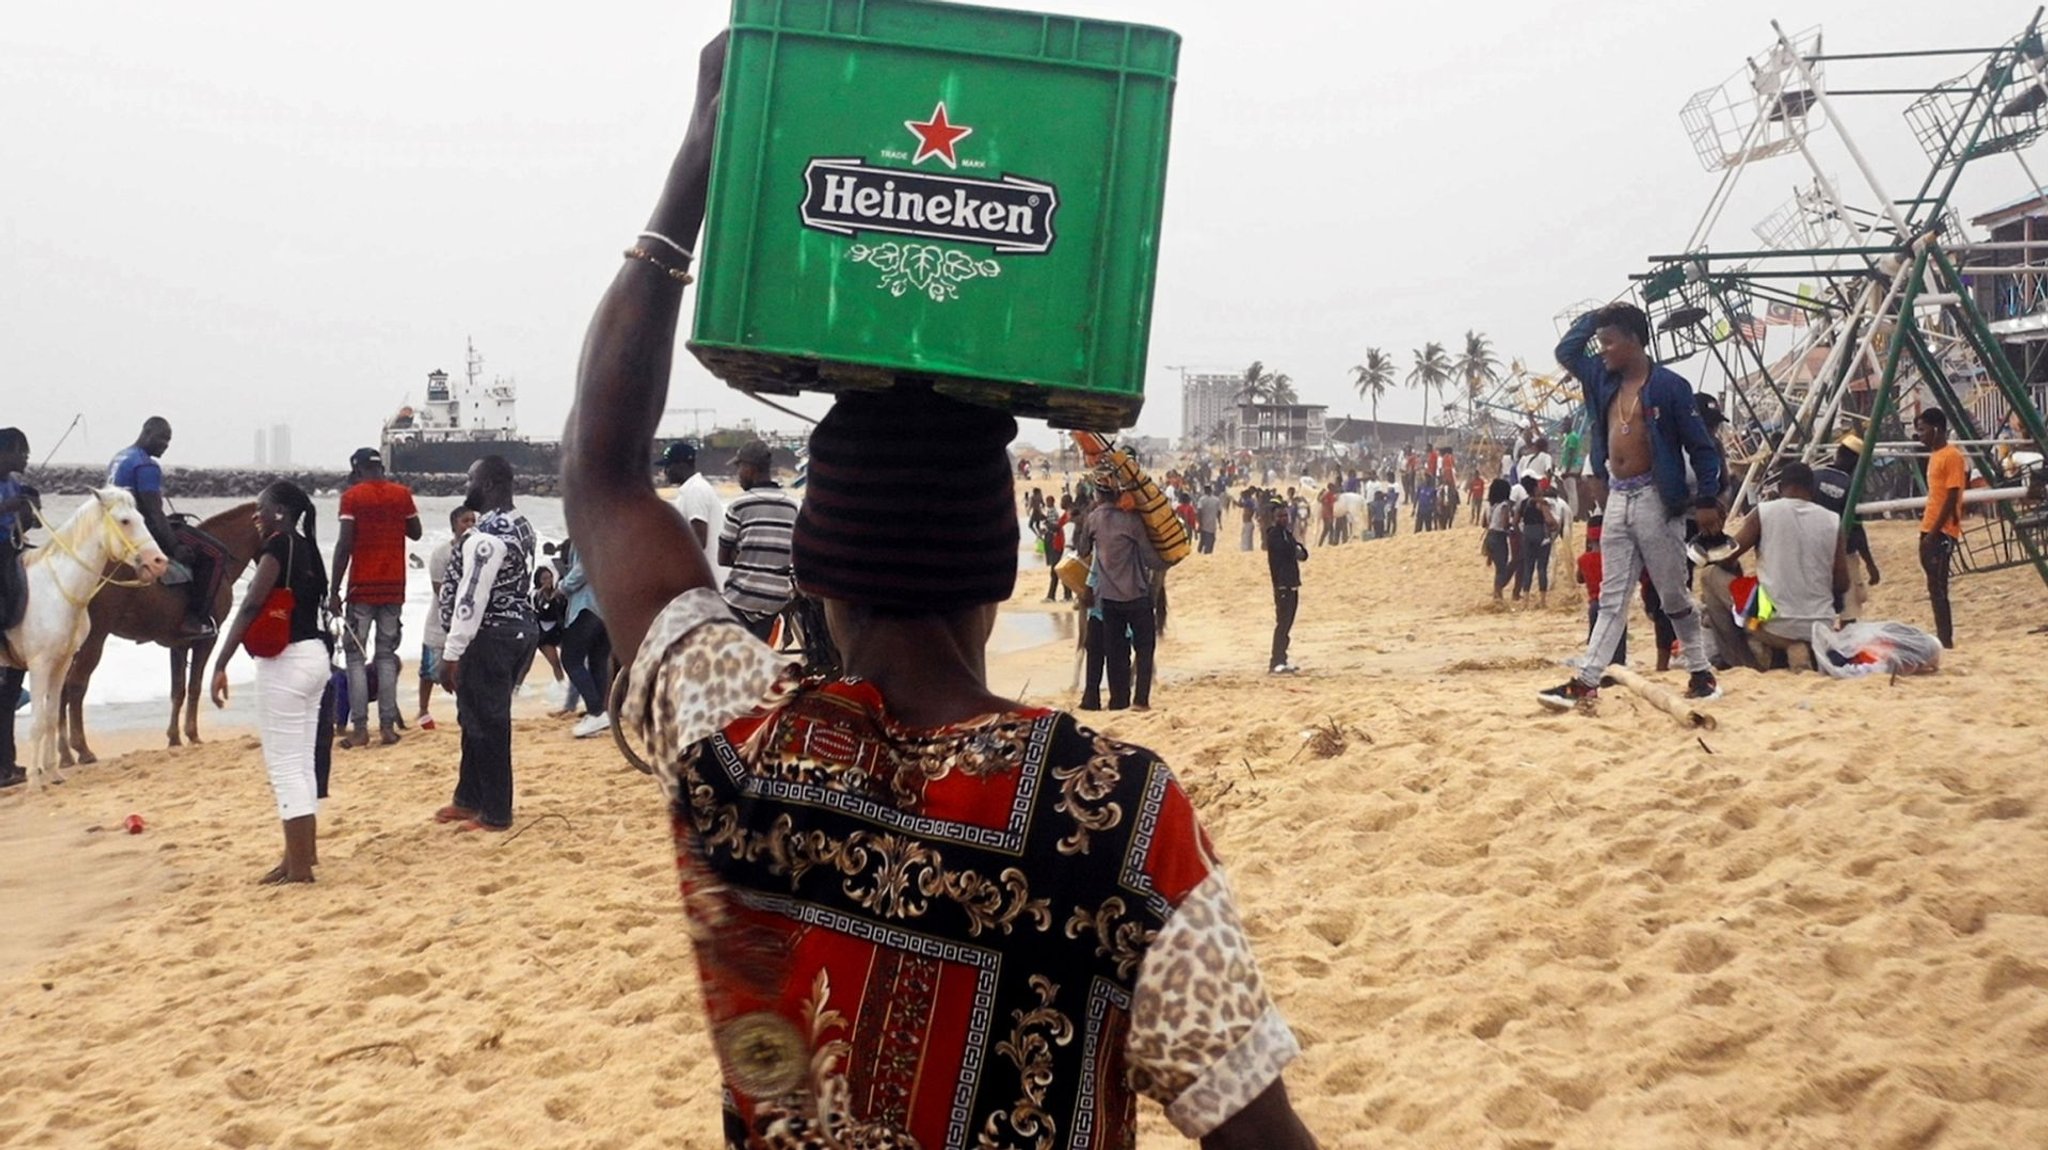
{"points": [[123, 551]]}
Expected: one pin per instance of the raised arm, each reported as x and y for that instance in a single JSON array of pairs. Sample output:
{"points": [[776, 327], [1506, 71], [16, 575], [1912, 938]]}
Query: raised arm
{"points": [[1572, 354], [637, 551]]}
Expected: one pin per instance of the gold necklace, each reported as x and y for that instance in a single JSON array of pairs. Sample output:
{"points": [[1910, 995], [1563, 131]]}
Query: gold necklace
{"points": [[1628, 419]]}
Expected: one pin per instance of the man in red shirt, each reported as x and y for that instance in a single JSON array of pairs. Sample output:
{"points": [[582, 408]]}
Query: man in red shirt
{"points": [[377, 517]]}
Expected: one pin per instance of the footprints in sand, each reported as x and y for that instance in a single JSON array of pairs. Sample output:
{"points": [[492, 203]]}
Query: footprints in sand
{"points": [[401, 984], [1697, 951], [2008, 974]]}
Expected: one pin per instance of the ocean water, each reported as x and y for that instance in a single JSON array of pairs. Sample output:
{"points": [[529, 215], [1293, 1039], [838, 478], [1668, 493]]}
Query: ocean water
{"points": [[131, 687]]}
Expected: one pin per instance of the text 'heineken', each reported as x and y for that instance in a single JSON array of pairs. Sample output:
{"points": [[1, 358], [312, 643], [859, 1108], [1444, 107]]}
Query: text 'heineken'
{"points": [[848, 196]]}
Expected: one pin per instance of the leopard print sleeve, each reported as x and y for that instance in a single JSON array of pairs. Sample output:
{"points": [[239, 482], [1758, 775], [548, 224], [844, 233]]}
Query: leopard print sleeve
{"points": [[1205, 1039], [696, 671]]}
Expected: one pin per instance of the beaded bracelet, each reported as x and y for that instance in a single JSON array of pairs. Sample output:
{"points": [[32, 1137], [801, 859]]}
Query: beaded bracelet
{"points": [[645, 256]]}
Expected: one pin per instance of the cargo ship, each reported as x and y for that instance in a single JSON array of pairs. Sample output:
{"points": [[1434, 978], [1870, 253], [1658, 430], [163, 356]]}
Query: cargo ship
{"points": [[451, 429]]}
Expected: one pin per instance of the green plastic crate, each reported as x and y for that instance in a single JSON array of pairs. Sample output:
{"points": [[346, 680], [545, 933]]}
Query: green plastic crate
{"points": [[922, 191]]}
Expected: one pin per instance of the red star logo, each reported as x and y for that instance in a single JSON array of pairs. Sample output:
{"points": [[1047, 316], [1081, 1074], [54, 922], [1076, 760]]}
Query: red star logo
{"points": [[936, 137]]}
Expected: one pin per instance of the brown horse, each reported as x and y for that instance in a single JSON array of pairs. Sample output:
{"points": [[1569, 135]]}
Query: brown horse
{"points": [[152, 615]]}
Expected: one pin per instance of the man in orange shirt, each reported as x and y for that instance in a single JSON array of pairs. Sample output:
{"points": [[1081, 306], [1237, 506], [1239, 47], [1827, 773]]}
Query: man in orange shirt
{"points": [[1941, 525], [377, 517]]}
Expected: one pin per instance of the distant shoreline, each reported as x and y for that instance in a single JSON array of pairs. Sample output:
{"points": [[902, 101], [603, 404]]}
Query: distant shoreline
{"points": [[247, 482]]}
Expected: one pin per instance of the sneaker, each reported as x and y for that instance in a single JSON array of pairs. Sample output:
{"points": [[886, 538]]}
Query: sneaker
{"points": [[1703, 687], [1567, 695], [592, 726]]}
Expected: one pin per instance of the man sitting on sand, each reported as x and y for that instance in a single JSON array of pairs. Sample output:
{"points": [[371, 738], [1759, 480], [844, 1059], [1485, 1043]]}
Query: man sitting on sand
{"points": [[1645, 429], [1802, 569], [924, 915]]}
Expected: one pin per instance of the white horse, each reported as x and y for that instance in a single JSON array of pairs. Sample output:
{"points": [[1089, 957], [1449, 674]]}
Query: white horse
{"points": [[1352, 507], [104, 534]]}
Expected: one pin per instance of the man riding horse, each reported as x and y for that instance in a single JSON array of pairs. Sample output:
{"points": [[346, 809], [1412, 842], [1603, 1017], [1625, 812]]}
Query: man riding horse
{"points": [[196, 558]]}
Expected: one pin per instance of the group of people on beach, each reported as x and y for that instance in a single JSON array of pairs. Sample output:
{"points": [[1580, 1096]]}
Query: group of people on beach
{"points": [[924, 914]]}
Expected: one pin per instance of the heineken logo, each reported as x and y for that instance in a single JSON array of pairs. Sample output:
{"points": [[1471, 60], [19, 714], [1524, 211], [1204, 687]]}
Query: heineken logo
{"points": [[850, 197]]}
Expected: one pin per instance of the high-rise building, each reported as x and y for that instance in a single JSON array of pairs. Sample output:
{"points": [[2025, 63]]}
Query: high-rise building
{"points": [[1207, 399], [262, 456], [280, 445]]}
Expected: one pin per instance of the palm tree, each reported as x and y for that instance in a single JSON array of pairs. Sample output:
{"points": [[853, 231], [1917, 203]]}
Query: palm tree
{"points": [[1478, 366], [1374, 377], [1431, 372], [1258, 384], [1283, 391]]}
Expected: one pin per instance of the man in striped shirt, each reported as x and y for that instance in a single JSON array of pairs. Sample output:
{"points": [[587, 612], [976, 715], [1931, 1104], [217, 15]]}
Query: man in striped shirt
{"points": [[754, 543]]}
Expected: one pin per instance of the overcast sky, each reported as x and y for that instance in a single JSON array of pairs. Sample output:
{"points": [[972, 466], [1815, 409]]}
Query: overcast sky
{"points": [[234, 214]]}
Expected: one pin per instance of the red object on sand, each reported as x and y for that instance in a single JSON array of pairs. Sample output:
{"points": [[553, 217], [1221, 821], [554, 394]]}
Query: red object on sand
{"points": [[134, 824]]}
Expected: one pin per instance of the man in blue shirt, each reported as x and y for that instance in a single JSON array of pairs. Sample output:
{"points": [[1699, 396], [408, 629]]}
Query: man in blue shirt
{"points": [[17, 500], [1644, 428], [135, 469]]}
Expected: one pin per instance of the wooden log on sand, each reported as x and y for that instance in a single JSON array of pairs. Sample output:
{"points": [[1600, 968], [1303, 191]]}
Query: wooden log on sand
{"points": [[1662, 699]]}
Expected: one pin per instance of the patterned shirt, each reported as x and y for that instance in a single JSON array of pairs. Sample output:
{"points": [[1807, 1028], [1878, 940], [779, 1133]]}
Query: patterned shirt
{"points": [[757, 527], [492, 575], [990, 934]]}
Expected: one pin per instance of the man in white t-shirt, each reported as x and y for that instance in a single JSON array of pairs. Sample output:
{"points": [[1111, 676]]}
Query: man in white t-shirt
{"points": [[1536, 462], [1802, 567], [696, 499], [439, 577]]}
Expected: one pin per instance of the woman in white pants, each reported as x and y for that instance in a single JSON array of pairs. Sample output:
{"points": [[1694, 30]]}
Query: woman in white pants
{"points": [[289, 681]]}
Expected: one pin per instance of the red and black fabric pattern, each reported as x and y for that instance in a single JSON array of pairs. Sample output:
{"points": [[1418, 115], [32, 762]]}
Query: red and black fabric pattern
{"points": [[927, 938]]}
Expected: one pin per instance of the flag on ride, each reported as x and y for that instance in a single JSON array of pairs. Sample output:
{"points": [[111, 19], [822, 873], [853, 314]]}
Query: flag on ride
{"points": [[1784, 313], [1751, 328]]}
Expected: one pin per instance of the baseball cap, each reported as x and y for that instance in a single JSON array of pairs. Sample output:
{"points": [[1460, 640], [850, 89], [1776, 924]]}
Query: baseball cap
{"points": [[681, 451], [755, 452], [1709, 409], [364, 455]]}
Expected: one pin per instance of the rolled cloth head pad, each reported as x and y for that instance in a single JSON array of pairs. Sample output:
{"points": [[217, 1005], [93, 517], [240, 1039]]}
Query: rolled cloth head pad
{"points": [[909, 504]]}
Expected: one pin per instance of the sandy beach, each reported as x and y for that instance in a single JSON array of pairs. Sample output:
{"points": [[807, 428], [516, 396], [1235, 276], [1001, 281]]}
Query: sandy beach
{"points": [[1822, 924]]}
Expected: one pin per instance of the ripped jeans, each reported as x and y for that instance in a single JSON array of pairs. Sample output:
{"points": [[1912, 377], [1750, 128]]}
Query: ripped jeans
{"points": [[1640, 535]]}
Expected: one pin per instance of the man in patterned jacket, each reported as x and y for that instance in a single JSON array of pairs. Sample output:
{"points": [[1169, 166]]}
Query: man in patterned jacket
{"points": [[491, 635], [925, 916]]}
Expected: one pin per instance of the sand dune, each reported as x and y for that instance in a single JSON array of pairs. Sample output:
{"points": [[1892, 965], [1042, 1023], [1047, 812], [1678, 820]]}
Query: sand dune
{"points": [[1823, 924]]}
